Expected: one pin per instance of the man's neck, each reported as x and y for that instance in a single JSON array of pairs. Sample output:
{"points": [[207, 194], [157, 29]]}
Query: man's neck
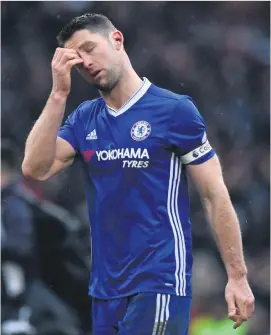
{"points": [[129, 83]]}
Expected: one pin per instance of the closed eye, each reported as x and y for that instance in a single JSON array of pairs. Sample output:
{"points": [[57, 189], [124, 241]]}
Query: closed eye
{"points": [[89, 50]]}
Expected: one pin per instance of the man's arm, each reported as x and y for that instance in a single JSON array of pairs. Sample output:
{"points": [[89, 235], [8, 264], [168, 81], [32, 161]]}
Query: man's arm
{"points": [[45, 153], [224, 223]]}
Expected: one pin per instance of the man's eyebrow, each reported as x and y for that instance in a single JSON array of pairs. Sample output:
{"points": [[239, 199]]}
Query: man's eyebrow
{"points": [[86, 44]]}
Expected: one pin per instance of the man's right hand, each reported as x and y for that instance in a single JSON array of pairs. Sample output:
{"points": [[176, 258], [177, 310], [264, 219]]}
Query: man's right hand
{"points": [[64, 59]]}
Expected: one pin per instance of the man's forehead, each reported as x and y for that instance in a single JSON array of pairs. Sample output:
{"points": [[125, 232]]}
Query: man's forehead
{"points": [[81, 38]]}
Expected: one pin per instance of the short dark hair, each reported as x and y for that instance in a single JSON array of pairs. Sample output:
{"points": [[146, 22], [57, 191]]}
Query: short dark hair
{"points": [[96, 23]]}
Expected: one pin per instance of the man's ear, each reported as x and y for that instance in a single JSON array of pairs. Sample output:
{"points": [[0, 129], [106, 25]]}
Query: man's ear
{"points": [[117, 39]]}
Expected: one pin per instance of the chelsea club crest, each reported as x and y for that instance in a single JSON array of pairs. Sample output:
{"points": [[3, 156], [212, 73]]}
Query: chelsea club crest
{"points": [[140, 130]]}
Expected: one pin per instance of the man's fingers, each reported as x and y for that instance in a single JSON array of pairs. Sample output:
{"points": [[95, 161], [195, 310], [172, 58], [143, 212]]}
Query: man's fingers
{"points": [[244, 305], [240, 301], [231, 307], [237, 319], [246, 308], [63, 55], [63, 61], [238, 322], [60, 51], [234, 318], [66, 57], [74, 62]]}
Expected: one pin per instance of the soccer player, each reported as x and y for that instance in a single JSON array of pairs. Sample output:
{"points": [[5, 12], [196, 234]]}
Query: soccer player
{"points": [[138, 142]]}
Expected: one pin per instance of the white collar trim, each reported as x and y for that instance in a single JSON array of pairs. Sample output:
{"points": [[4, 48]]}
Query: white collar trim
{"points": [[134, 98]]}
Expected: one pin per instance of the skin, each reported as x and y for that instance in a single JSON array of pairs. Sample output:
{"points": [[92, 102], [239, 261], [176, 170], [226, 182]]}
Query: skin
{"points": [[98, 55], [103, 62], [116, 80], [45, 153], [223, 220]]}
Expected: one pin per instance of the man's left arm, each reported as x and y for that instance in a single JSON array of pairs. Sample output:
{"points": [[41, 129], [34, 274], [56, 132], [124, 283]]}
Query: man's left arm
{"points": [[225, 226], [187, 137]]}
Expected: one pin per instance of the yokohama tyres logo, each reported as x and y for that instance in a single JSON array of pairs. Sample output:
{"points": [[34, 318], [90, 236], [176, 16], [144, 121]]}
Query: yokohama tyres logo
{"points": [[131, 157]]}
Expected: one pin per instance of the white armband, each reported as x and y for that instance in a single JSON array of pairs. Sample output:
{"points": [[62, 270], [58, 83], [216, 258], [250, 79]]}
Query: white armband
{"points": [[196, 153]]}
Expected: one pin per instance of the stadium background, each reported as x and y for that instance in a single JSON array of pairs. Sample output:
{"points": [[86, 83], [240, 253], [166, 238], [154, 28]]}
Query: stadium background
{"points": [[216, 52]]}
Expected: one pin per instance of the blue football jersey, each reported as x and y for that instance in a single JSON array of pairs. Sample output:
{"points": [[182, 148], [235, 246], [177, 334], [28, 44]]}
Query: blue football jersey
{"points": [[135, 168]]}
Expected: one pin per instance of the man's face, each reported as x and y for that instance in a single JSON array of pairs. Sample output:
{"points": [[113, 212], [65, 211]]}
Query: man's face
{"points": [[102, 63]]}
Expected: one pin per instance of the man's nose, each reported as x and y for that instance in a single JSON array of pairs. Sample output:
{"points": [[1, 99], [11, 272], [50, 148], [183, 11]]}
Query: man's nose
{"points": [[87, 62]]}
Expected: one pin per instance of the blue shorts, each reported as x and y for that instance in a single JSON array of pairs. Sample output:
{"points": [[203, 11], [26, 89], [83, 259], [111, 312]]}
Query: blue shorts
{"points": [[141, 314]]}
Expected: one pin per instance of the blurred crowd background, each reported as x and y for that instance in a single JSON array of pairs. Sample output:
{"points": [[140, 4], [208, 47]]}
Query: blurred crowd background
{"points": [[216, 52]]}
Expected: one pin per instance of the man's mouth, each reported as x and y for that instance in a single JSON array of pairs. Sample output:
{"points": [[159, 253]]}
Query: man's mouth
{"points": [[95, 73]]}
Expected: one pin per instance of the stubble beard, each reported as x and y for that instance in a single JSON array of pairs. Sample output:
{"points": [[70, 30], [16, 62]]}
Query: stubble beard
{"points": [[113, 78]]}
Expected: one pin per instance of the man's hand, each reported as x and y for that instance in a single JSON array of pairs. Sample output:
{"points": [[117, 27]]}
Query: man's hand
{"points": [[224, 223], [63, 61], [240, 300]]}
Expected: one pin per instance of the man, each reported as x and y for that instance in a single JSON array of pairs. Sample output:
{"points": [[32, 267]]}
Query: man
{"points": [[137, 142]]}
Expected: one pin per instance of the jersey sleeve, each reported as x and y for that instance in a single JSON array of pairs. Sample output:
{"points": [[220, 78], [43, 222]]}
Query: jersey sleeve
{"points": [[68, 130], [187, 133]]}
